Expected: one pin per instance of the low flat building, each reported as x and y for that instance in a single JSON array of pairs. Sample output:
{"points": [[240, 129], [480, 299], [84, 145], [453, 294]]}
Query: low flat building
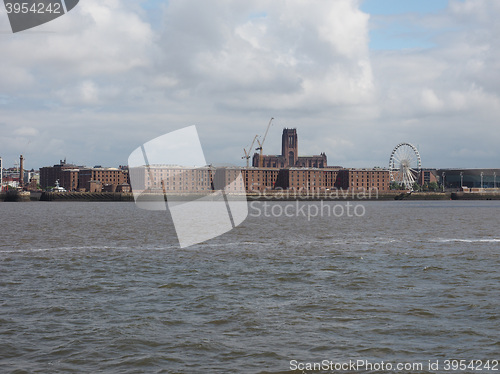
{"points": [[471, 178]]}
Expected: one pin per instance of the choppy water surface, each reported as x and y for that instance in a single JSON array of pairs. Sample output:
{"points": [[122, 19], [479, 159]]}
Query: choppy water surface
{"points": [[104, 287]]}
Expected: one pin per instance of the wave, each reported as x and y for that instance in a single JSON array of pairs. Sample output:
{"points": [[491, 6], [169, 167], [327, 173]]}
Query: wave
{"points": [[50, 249], [460, 240], [86, 248]]}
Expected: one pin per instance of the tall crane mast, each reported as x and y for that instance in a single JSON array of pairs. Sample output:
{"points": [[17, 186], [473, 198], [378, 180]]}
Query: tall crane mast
{"points": [[247, 153], [261, 145]]}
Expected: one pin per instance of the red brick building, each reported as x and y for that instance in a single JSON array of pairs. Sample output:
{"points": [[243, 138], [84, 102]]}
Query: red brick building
{"points": [[315, 179], [427, 176], [69, 179], [66, 174], [105, 177], [260, 179], [172, 179], [366, 179], [200, 180], [73, 178], [308, 179]]}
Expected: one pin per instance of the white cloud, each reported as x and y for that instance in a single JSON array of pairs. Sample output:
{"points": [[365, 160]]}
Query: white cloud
{"points": [[450, 93], [96, 39], [108, 69], [26, 131], [296, 55], [430, 100]]}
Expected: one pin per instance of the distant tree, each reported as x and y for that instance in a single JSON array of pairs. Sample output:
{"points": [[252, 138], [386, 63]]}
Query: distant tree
{"points": [[416, 187], [395, 186], [433, 186]]}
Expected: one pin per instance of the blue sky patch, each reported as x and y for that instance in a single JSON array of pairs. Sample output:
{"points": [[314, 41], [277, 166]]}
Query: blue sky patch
{"points": [[391, 7], [393, 23]]}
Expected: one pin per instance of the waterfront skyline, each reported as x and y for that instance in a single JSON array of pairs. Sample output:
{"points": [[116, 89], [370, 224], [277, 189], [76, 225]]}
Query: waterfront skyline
{"points": [[355, 77]]}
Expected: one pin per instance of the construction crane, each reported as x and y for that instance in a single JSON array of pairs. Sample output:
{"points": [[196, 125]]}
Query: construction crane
{"points": [[247, 154], [261, 145]]}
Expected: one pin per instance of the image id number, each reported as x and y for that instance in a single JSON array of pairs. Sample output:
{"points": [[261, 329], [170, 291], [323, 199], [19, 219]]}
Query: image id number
{"points": [[39, 8], [472, 365]]}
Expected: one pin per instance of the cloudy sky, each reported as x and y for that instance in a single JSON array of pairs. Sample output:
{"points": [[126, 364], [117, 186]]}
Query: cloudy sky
{"points": [[355, 77]]}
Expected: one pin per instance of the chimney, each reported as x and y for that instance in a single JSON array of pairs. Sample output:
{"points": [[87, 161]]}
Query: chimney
{"points": [[21, 171]]}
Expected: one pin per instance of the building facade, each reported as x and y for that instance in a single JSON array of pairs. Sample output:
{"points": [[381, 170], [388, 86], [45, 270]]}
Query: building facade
{"points": [[77, 178], [50, 174], [427, 176], [111, 177], [69, 179], [316, 179], [289, 155], [260, 179], [366, 179], [171, 179], [471, 178], [308, 179]]}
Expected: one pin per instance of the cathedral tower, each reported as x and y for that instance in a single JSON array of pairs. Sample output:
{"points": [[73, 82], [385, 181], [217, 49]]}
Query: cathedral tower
{"points": [[289, 147]]}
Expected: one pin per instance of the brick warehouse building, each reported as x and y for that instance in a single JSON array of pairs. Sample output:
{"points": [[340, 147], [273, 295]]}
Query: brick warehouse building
{"points": [[112, 177], [366, 179], [176, 179], [289, 155], [200, 180], [172, 179], [309, 179], [66, 174], [261, 179], [316, 179], [74, 178]]}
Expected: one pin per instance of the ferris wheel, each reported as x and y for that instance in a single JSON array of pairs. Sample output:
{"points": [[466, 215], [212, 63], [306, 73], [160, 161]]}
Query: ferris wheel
{"points": [[405, 165]]}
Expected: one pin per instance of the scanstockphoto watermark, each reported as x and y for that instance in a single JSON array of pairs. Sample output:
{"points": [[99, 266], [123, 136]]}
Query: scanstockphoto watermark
{"points": [[306, 209], [309, 204], [334, 193], [359, 366], [433, 365]]}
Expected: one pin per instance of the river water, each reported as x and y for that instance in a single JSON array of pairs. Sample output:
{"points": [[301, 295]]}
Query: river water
{"points": [[104, 287]]}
